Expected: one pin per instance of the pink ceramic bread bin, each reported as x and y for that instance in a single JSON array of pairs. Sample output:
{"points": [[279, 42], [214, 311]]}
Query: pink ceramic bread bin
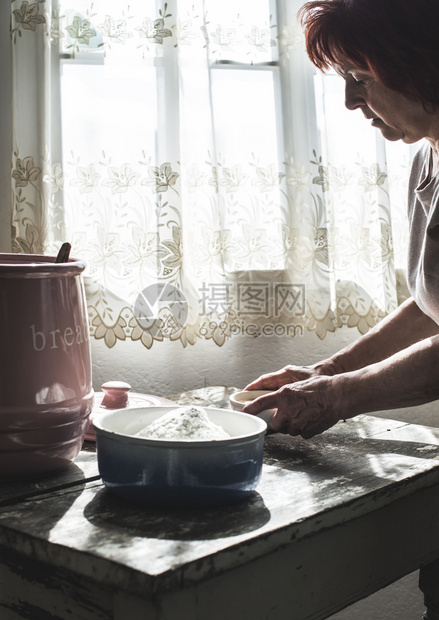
{"points": [[46, 394]]}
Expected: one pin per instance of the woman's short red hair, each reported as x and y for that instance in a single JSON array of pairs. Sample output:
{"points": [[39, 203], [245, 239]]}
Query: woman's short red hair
{"points": [[397, 40]]}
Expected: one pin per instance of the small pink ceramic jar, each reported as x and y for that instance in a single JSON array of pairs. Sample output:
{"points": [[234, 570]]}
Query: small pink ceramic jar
{"points": [[46, 393]]}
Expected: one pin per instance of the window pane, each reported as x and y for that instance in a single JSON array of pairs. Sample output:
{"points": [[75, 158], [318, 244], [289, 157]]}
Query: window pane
{"points": [[249, 158], [243, 31], [244, 106], [107, 109]]}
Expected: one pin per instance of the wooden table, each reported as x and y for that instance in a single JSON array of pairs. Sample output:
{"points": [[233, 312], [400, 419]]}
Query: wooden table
{"points": [[334, 519]]}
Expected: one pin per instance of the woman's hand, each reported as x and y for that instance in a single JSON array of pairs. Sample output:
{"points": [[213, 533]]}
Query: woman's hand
{"points": [[291, 374], [304, 408], [310, 406]]}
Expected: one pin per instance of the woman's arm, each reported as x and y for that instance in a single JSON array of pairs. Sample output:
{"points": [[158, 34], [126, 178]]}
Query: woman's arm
{"points": [[402, 328], [409, 377]]}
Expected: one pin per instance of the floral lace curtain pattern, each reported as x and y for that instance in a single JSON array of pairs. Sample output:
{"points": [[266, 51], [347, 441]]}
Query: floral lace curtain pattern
{"points": [[120, 148]]}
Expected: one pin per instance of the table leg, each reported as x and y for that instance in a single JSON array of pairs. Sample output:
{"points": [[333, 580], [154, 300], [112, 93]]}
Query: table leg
{"points": [[429, 585]]}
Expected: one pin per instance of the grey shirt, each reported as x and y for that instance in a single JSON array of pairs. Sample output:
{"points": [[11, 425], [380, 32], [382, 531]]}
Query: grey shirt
{"points": [[423, 255]]}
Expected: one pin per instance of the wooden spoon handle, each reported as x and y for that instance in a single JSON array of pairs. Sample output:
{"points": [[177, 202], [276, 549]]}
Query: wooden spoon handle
{"points": [[64, 253]]}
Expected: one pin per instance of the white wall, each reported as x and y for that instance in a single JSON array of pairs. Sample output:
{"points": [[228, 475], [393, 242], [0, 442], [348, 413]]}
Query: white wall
{"points": [[167, 367]]}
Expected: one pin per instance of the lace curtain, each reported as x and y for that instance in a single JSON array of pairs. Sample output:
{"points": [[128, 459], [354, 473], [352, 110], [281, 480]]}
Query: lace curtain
{"points": [[210, 179]]}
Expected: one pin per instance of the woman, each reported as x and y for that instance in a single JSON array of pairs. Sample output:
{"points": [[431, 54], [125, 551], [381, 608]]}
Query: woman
{"points": [[388, 54]]}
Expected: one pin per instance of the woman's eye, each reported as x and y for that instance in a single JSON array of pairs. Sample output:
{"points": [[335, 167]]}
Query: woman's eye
{"points": [[359, 81]]}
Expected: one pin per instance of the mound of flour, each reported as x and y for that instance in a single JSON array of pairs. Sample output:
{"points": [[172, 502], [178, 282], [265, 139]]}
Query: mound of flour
{"points": [[185, 423]]}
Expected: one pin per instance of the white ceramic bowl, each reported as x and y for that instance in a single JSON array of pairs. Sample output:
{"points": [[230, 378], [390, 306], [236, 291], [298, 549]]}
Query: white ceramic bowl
{"points": [[158, 471], [239, 399]]}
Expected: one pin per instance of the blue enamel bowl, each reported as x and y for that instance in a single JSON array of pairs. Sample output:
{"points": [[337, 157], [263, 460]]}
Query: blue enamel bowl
{"points": [[162, 472]]}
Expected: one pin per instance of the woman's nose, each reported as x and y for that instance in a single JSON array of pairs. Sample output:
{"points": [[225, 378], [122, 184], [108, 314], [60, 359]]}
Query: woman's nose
{"points": [[353, 98]]}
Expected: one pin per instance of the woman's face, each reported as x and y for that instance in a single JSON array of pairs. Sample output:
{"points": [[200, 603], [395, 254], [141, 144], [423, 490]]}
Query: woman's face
{"points": [[397, 117]]}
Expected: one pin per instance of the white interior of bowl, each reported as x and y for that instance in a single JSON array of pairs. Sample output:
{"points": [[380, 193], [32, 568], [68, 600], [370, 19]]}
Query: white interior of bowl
{"points": [[130, 422], [247, 396]]}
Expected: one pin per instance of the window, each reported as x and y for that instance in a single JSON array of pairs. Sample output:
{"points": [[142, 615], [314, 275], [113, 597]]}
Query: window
{"points": [[151, 99], [197, 145]]}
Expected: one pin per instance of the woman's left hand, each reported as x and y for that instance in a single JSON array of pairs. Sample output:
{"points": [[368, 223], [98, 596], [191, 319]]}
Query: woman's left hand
{"points": [[305, 408]]}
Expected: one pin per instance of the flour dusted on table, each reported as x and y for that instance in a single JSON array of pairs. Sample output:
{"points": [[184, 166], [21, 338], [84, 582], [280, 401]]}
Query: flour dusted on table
{"points": [[185, 423]]}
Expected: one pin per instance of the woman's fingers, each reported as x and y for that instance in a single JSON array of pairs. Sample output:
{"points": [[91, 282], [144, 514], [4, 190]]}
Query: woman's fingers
{"points": [[268, 401], [284, 376], [266, 382], [303, 408]]}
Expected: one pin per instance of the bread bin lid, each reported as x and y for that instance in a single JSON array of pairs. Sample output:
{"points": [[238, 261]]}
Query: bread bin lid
{"points": [[118, 395]]}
